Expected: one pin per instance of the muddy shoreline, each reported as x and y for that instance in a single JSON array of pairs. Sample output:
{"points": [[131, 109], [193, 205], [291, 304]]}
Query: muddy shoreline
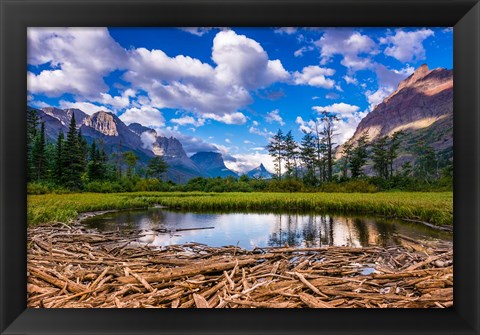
{"points": [[76, 267]]}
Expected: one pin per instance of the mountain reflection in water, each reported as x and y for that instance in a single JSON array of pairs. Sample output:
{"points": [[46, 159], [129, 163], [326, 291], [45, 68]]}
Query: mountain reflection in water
{"points": [[250, 230]]}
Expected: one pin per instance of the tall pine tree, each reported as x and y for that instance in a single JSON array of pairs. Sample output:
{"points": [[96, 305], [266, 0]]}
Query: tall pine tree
{"points": [[328, 120], [58, 161], [96, 168], [308, 158], [276, 149], [359, 156], [32, 124], [39, 154], [157, 167], [291, 155], [394, 145], [380, 156], [347, 156], [73, 159]]}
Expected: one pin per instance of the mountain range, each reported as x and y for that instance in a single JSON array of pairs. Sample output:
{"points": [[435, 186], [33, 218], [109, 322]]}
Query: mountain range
{"points": [[115, 136], [421, 106]]}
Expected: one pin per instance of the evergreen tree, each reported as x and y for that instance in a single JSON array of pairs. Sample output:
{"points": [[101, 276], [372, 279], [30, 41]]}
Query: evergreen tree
{"points": [[320, 149], [39, 154], [96, 168], [380, 156], [276, 149], [328, 120], [359, 156], [291, 155], [50, 153], [407, 169], [394, 145], [73, 161], [32, 124], [131, 161], [83, 150], [426, 164], [58, 160], [308, 157], [156, 167], [347, 156]]}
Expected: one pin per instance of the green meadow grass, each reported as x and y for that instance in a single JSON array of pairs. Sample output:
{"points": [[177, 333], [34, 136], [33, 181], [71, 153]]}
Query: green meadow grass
{"points": [[436, 208]]}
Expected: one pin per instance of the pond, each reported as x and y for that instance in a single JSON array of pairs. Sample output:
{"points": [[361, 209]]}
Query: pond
{"points": [[162, 227]]}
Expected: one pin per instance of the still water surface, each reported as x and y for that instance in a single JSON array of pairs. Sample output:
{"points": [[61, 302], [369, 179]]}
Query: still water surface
{"points": [[249, 230]]}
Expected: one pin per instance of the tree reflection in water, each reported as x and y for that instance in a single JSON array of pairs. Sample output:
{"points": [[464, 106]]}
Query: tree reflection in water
{"points": [[323, 230], [250, 230], [288, 235]]}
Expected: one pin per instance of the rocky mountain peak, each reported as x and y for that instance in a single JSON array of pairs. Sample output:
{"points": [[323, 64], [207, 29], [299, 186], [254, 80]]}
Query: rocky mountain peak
{"points": [[260, 172], [419, 74], [423, 102], [65, 115], [103, 122], [420, 100], [425, 81], [169, 148]]}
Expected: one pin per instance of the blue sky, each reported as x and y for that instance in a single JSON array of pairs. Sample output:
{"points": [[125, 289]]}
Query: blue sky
{"points": [[228, 89]]}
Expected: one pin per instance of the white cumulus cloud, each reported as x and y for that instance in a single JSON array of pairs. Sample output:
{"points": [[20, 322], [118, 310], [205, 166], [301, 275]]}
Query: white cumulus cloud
{"points": [[246, 162], [242, 61], [117, 102], [274, 116], [233, 118], [85, 107], [406, 46], [355, 48], [146, 116], [255, 130], [188, 120], [374, 98], [350, 80], [286, 30], [314, 75], [79, 57], [338, 108], [148, 138]]}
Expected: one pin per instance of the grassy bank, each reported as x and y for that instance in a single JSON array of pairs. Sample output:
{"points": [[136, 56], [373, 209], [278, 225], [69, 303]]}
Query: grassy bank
{"points": [[436, 208]]}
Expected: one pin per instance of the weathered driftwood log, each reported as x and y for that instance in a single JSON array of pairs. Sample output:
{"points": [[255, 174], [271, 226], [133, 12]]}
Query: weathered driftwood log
{"points": [[74, 267]]}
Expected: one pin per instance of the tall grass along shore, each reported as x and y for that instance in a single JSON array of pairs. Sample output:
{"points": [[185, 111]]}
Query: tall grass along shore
{"points": [[435, 208]]}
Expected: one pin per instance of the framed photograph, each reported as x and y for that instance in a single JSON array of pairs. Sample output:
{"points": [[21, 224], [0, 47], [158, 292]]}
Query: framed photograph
{"points": [[291, 161]]}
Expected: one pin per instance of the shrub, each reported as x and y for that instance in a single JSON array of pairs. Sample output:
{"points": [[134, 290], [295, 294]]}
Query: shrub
{"points": [[100, 187], [152, 185], [351, 186], [288, 185], [44, 188]]}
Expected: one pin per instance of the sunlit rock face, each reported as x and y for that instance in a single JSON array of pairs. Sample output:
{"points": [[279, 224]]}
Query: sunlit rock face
{"points": [[102, 122], [422, 106], [420, 100]]}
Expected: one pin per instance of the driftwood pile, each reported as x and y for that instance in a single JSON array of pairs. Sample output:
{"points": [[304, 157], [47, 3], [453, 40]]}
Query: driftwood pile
{"points": [[74, 267]]}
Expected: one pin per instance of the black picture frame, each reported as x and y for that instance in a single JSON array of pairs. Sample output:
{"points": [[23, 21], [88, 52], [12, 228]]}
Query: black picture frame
{"points": [[17, 15]]}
